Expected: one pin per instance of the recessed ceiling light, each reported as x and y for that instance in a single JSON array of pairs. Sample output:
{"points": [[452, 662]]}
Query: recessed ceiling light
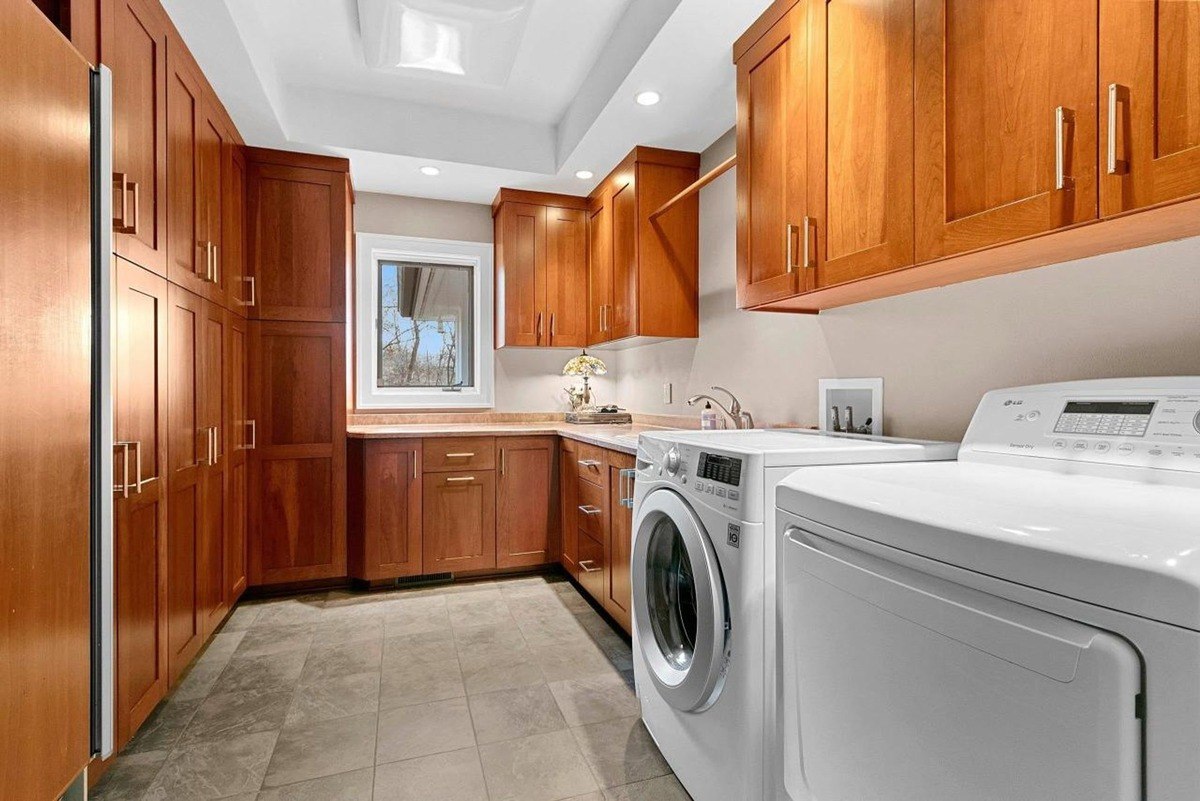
{"points": [[648, 98], [584, 175], [430, 171]]}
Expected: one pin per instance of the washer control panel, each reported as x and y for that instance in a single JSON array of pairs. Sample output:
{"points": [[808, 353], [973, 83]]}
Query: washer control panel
{"points": [[1134, 422], [715, 479]]}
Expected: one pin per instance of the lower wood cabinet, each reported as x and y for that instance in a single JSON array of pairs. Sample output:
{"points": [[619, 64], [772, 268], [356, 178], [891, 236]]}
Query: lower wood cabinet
{"points": [[526, 515], [384, 524], [459, 521], [618, 587], [568, 554]]}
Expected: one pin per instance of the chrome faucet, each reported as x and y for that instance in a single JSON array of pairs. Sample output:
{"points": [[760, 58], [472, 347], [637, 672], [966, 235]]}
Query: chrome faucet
{"points": [[738, 416]]}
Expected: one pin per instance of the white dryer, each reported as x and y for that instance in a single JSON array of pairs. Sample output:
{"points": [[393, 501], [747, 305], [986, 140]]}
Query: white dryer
{"points": [[1022, 624], [703, 577]]}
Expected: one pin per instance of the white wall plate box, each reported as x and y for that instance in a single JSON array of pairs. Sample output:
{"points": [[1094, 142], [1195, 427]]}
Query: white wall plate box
{"points": [[863, 395]]}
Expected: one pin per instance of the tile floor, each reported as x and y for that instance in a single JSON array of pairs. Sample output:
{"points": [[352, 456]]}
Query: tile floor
{"points": [[509, 690]]}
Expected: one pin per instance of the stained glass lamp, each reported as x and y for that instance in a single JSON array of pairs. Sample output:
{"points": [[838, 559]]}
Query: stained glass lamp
{"points": [[585, 366]]}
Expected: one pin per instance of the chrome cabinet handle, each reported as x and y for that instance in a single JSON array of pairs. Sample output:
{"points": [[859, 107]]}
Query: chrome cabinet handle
{"points": [[123, 184], [1117, 94], [460, 478], [210, 457], [551, 328], [588, 509], [249, 279], [1063, 117], [589, 463], [790, 234], [216, 263], [207, 261], [603, 328], [808, 227], [123, 487], [627, 474], [253, 426], [139, 482], [502, 461], [460, 455], [538, 334], [589, 566]]}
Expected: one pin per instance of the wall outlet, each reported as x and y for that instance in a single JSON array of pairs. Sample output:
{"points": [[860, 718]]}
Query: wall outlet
{"points": [[667, 393]]}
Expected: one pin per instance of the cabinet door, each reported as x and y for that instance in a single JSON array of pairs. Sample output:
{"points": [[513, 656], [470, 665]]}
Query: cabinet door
{"points": [[568, 479], [459, 521], [772, 180], [210, 568], [1005, 121], [189, 253], [526, 503], [521, 275], [239, 441], [860, 152], [187, 453], [618, 597], [140, 503], [385, 509], [566, 277], [239, 285], [297, 219], [211, 151], [134, 45], [621, 318], [298, 471], [1150, 95], [600, 269]]}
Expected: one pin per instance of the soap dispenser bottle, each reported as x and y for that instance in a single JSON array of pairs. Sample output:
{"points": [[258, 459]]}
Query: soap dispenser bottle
{"points": [[708, 418]]}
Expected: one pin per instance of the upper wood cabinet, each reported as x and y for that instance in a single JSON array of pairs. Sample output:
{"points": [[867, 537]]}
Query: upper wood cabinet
{"points": [[1150, 103], [385, 538], [189, 263], [298, 216], [1006, 121], [600, 266], [238, 286], [133, 44], [526, 517], [541, 269]]}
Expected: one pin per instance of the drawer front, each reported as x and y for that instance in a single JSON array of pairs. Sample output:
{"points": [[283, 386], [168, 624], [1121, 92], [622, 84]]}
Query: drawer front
{"points": [[590, 512], [591, 570], [446, 454], [591, 463]]}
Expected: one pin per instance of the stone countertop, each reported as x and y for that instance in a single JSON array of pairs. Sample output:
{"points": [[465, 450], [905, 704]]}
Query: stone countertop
{"points": [[614, 437]]}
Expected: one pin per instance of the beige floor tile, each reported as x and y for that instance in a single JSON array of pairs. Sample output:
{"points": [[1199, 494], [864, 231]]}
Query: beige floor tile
{"points": [[544, 767], [340, 697], [471, 609], [224, 715], [342, 660], [452, 776], [415, 649], [264, 672], [129, 776], [214, 769], [423, 729], [594, 699], [274, 638], [322, 749], [504, 671], [573, 660], [663, 788], [620, 752], [404, 685], [352, 786], [511, 714]]}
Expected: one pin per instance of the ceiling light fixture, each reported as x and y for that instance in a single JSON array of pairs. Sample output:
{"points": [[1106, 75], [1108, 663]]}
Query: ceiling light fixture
{"points": [[648, 98], [430, 171], [585, 175]]}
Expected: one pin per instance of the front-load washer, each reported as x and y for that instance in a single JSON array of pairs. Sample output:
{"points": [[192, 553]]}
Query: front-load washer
{"points": [[703, 578], [1022, 624]]}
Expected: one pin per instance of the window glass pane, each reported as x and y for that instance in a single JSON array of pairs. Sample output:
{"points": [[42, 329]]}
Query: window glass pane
{"points": [[426, 335]]}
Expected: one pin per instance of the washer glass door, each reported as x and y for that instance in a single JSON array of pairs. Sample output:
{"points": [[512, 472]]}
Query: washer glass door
{"points": [[680, 607]]}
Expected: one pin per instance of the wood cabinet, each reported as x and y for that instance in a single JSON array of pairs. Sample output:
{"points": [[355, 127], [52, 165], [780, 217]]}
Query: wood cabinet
{"points": [[568, 477], [133, 43], [526, 514], [212, 597], [297, 210], [297, 495], [600, 266], [459, 521], [618, 587], [385, 491], [541, 269], [140, 501], [189, 254], [1149, 103], [240, 438], [238, 285]]}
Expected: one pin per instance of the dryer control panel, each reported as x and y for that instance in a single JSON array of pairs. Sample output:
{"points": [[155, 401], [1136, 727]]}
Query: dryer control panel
{"points": [[1127, 422]]}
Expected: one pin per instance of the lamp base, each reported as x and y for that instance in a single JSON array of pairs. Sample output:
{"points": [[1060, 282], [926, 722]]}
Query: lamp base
{"points": [[592, 417]]}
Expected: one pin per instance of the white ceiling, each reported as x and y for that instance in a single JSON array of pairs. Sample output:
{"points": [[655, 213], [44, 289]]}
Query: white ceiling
{"points": [[294, 74]]}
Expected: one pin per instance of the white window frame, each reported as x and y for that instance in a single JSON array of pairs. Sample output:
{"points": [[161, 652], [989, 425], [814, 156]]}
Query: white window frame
{"points": [[374, 248]]}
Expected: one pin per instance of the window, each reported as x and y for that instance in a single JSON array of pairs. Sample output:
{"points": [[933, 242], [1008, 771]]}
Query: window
{"points": [[423, 326]]}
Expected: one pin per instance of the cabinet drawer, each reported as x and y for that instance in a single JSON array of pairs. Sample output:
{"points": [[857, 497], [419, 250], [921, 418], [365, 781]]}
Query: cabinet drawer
{"points": [[591, 566], [444, 454], [590, 509], [590, 461]]}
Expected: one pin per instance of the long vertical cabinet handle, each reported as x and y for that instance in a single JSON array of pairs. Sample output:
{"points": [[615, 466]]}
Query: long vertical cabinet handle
{"points": [[249, 279], [123, 487], [627, 475], [138, 481], [551, 328], [253, 435], [809, 262], [539, 328], [123, 185], [502, 461], [1063, 117], [789, 237], [216, 260], [1117, 94]]}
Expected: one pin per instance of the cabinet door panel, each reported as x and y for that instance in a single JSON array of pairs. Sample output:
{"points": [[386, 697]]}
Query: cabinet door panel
{"points": [[568, 476], [621, 319], [860, 157], [211, 545], [187, 249], [600, 269], [772, 154], [521, 275], [526, 512], [385, 509], [459, 513], [297, 219], [239, 292], [566, 277], [618, 598], [134, 45], [990, 76], [209, 168], [1150, 90], [239, 439]]}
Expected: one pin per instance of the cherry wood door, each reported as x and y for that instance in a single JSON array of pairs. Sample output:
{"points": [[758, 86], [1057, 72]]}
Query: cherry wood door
{"points": [[618, 596], [566, 277], [188, 451], [140, 502], [991, 142], [527, 509], [239, 285], [600, 269], [860, 113], [211, 156], [189, 252], [521, 275], [211, 557], [297, 489], [133, 43], [385, 509], [297, 242], [568, 479], [239, 441], [1150, 102], [772, 151], [459, 521], [621, 318], [45, 309]]}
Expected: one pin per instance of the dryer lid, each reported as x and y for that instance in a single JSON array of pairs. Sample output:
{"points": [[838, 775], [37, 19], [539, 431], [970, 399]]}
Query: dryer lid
{"points": [[1126, 545]]}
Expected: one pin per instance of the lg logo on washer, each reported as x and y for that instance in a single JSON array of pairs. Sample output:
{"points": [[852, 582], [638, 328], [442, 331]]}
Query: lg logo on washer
{"points": [[734, 536]]}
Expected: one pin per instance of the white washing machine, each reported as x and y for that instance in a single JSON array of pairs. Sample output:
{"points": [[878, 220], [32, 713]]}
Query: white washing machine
{"points": [[703, 576], [1021, 624]]}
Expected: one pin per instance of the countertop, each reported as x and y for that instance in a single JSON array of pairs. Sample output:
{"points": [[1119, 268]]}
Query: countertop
{"points": [[621, 438]]}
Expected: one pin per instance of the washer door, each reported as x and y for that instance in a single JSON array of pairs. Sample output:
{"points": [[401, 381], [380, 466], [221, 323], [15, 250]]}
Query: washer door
{"points": [[680, 609]]}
